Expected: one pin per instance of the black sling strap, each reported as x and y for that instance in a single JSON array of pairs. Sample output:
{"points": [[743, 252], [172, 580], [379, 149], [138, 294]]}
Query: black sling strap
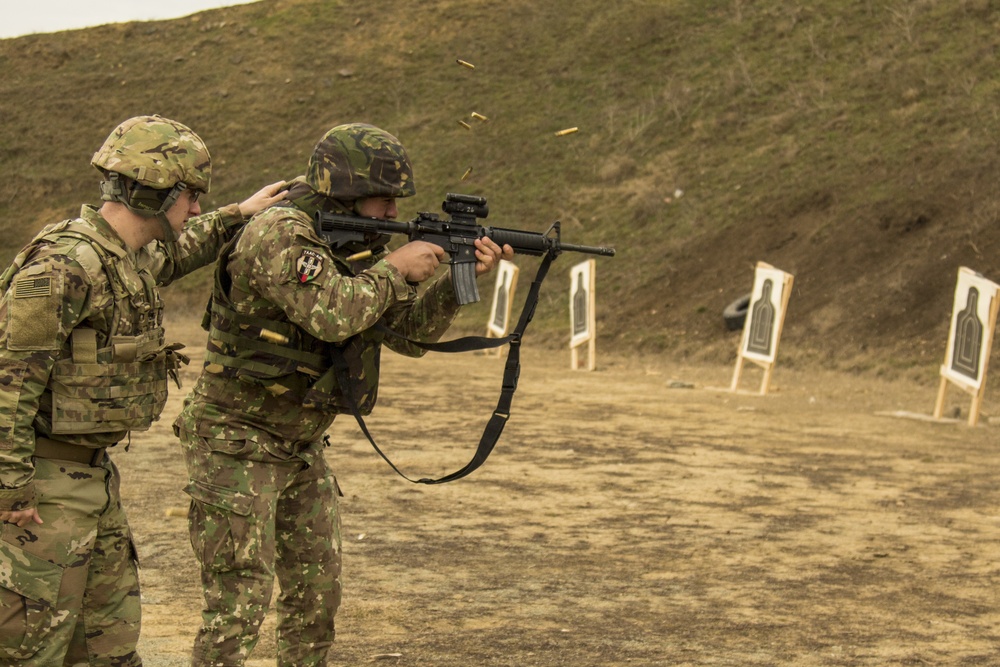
{"points": [[512, 370]]}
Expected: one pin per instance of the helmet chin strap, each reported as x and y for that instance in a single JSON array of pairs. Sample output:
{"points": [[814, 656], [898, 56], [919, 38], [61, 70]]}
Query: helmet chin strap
{"points": [[170, 235], [112, 189]]}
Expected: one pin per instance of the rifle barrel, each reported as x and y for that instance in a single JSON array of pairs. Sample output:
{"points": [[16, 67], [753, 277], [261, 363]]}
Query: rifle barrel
{"points": [[590, 250]]}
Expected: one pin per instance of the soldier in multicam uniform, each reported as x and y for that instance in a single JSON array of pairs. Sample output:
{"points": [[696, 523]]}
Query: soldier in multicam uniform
{"points": [[287, 309], [83, 362]]}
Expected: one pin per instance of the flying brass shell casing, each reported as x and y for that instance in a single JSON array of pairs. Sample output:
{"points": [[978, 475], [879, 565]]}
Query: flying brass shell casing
{"points": [[479, 116], [273, 337], [364, 254], [568, 130], [464, 63]]}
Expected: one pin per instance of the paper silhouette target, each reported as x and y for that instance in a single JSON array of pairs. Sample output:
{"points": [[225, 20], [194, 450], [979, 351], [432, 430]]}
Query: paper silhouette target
{"points": [[970, 338], [581, 294], [764, 314], [764, 320], [971, 329], [582, 319], [503, 298]]}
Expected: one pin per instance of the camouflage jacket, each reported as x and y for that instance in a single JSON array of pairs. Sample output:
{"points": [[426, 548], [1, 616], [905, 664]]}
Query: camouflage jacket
{"points": [[281, 272], [76, 293]]}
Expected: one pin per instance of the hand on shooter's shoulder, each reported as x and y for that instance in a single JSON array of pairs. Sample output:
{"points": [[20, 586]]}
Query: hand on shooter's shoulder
{"points": [[258, 201]]}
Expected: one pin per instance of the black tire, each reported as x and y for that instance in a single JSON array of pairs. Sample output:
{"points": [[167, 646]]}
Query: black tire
{"points": [[735, 314]]}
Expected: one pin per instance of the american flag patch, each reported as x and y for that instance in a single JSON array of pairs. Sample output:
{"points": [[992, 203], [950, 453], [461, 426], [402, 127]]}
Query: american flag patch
{"points": [[31, 287]]}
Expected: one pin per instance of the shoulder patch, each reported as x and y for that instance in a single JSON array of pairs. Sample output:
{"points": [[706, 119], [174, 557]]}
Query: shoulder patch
{"points": [[34, 311], [308, 266], [31, 287]]}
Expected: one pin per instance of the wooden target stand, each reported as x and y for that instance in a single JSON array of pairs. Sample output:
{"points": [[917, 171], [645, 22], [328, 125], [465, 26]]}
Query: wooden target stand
{"points": [[970, 339], [582, 315], [498, 325], [765, 319]]}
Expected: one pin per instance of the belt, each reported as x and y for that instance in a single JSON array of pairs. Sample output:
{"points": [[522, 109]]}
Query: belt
{"points": [[46, 448]]}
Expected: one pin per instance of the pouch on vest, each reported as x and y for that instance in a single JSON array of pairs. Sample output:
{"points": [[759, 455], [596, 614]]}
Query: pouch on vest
{"points": [[97, 391], [286, 361]]}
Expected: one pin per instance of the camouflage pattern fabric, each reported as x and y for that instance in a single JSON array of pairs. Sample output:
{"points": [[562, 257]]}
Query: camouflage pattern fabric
{"points": [[69, 591], [280, 272], [252, 520], [157, 152], [60, 286], [356, 161], [55, 286], [277, 356]]}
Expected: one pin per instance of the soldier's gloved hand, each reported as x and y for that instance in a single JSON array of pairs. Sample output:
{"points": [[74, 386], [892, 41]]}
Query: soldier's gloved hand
{"points": [[417, 260], [21, 518]]}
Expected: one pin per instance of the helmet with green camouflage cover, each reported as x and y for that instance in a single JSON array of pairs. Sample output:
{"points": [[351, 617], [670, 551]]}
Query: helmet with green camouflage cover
{"points": [[357, 161], [160, 158]]}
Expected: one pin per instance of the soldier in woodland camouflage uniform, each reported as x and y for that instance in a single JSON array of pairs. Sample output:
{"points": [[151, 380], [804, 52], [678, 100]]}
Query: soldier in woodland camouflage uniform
{"points": [[83, 362], [287, 307]]}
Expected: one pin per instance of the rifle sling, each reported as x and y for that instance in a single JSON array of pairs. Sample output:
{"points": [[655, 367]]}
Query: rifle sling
{"points": [[512, 371]]}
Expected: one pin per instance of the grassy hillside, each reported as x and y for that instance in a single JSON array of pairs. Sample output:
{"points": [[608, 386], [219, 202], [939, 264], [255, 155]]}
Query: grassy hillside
{"points": [[851, 143]]}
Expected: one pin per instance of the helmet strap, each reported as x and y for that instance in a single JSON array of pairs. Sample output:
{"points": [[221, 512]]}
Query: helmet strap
{"points": [[114, 189], [169, 235]]}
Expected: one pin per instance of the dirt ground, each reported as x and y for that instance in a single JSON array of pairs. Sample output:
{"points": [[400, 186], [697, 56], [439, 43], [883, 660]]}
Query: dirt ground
{"points": [[634, 515]]}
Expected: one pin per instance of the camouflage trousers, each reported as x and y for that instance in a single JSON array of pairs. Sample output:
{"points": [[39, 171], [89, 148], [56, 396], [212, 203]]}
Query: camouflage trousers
{"points": [[69, 591], [252, 521]]}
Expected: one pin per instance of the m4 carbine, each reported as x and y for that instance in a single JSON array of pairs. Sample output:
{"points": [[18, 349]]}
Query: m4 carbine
{"points": [[456, 235]]}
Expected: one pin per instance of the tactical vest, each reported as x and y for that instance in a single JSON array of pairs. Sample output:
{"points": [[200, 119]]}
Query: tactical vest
{"points": [[285, 360], [122, 386]]}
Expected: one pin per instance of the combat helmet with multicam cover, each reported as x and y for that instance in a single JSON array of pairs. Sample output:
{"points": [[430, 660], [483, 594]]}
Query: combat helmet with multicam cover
{"points": [[159, 158], [356, 161]]}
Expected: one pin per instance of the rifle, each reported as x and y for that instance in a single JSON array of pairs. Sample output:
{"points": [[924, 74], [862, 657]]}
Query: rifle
{"points": [[456, 235]]}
